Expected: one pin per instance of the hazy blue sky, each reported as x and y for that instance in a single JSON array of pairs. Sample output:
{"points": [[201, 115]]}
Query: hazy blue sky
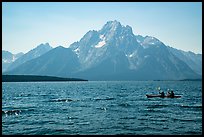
{"points": [[26, 25]]}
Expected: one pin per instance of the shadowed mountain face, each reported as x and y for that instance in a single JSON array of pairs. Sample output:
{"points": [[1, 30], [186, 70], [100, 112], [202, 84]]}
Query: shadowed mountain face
{"points": [[34, 53], [194, 61], [57, 62], [115, 53]]}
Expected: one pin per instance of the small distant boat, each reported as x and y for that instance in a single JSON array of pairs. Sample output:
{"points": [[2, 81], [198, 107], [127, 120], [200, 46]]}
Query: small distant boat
{"points": [[153, 96]]}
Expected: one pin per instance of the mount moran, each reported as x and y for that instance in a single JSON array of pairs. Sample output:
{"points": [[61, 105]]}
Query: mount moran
{"points": [[112, 53]]}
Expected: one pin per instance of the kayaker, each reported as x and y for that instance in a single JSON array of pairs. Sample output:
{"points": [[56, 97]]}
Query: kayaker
{"points": [[172, 94], [162, 94]]}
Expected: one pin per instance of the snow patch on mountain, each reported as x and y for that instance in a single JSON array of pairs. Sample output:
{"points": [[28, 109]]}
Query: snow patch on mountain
{"points": [[131, 55], [102, 36], [77, 50], [102, 42], [146, 56], [6, 61], [138, 41]]}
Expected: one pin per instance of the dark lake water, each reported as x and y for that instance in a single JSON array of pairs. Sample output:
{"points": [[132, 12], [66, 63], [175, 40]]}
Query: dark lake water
{"points": [[101, 107]]}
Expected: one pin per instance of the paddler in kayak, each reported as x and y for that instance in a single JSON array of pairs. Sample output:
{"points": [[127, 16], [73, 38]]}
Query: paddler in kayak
{"points": [[162, 94], [170, 94]]}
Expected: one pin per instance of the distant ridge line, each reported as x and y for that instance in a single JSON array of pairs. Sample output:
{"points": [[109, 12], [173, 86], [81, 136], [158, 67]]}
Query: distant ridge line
{"points": [[181, 80], [36, 78]]}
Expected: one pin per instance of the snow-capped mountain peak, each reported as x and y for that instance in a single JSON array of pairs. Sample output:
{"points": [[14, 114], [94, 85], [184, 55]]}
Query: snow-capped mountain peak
{"points": [[115, 53], [110, 27], [112, 24]]}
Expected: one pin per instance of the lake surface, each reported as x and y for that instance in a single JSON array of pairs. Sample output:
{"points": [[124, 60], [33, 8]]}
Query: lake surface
{"points": [[101, 107]]}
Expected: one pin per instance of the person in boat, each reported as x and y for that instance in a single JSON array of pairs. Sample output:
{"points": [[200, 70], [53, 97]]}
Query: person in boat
{"points": [[162, 94], [172, 94]]}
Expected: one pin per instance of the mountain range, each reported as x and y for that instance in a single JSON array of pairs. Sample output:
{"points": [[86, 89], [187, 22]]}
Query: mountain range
{"points": [[8, 58], [111, 53], [32, 54]]}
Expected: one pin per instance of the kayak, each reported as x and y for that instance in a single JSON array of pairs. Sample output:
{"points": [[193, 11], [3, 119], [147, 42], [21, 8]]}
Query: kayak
{"points": [[172, 97], [153, 96]]}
